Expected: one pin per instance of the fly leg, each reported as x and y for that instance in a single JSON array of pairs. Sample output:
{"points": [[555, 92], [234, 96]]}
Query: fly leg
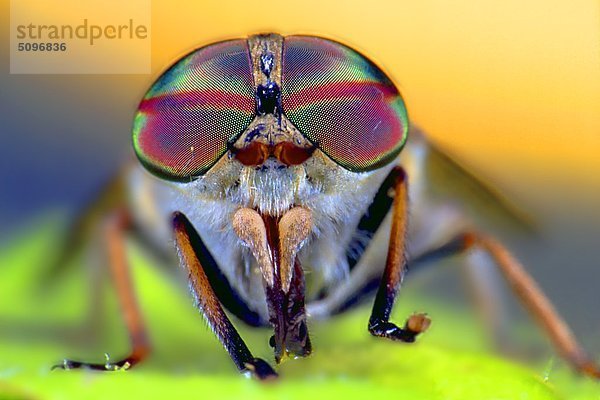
{"points": [[482, 284], [209, 304], [82, 228], [395, 268], [526, 289], [114, 231], [532, 298]]}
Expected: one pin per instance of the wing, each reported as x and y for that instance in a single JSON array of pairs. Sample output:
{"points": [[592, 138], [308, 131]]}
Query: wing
{"points": [[439, 179]]}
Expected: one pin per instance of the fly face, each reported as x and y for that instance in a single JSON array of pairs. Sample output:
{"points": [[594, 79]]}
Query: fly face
{"points": [[293, 136]]}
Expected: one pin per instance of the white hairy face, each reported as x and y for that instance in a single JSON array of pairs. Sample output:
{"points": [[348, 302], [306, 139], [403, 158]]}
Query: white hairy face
{"points": [[337, 199]]}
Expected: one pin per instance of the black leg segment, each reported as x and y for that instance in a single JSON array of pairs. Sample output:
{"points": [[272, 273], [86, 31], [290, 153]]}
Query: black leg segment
{"points": [[379, 323]]}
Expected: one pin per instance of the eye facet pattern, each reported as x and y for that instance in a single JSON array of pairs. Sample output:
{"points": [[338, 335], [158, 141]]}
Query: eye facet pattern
{"points": [[186, 119], [342, 102]]}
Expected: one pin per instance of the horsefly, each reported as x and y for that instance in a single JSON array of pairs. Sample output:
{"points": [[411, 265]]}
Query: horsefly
{"points": [[269, 157]]}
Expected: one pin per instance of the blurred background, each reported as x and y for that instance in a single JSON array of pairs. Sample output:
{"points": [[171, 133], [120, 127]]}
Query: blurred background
{"points": [[510, 90]]}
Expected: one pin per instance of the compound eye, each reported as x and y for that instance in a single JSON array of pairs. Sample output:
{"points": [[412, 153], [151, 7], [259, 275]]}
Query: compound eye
{"points": [[204, 100], [342, 102]]}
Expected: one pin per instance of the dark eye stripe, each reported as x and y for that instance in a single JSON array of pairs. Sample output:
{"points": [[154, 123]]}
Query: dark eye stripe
{"points": [[348, 89], [195, 99], [342, 102], [184, 122]]}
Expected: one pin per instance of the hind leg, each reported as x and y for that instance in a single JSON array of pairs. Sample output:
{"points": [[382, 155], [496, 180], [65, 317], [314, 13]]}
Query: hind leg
{"points": [[114, 232]]}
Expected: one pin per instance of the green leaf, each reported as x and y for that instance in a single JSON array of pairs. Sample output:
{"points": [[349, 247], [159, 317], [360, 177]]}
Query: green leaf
{"points": [[43, 322]]}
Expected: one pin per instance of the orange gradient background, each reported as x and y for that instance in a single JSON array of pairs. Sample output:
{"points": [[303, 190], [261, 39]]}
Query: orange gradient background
{"points": [[511, 88]]}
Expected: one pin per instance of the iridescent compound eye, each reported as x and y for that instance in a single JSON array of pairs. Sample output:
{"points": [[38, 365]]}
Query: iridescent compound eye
{"points": [[187, 117], [342, 102]]}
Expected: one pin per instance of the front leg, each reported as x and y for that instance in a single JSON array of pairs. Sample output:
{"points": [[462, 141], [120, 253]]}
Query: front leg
{"points": [[379, 323], [209, 304]]}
